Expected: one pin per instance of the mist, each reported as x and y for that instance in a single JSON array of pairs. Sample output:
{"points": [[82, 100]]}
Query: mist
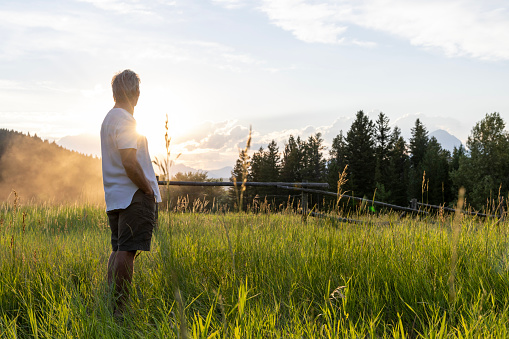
{"points": [[43, 172]]}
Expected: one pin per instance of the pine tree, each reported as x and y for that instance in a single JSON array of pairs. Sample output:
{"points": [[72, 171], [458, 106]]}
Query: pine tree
{"points": [[399, 165], [240, 174], [382, 150], [256, 169], [418, 146], [265, 167], [337, 161], [360, 156], [435, 164], [292, 161], [314, 162], [272, 162]]}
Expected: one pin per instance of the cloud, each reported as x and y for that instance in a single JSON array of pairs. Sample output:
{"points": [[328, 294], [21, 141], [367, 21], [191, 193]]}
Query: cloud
{"points": [[214, 145], [307, 22], [457, 28], [121, 7], [224, 135], [45, 34], [218, 144], [229, 4]]}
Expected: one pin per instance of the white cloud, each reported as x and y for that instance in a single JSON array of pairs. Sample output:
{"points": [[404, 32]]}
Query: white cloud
{"points": [[121, 6], [46, 33], [456, 27], [229, 4], [307, 22]]}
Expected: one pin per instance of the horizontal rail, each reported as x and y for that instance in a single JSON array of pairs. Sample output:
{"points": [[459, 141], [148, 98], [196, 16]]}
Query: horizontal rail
{"points": [[229, 183], [302, 186], [383, 204], [378, 203]]}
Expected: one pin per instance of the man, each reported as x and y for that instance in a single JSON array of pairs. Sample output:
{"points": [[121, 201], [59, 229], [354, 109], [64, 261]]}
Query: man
{"points": [[130, 186]]}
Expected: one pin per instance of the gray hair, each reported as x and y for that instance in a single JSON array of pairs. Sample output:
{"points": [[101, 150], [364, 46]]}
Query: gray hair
{"points": [[125, 86]]}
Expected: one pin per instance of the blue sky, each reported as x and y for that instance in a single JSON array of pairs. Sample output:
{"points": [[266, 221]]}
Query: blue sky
{"points": [[282, 66]]}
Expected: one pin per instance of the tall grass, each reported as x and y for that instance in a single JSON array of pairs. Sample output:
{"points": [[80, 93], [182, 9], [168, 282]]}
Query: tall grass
{"points": [[247, 275]]}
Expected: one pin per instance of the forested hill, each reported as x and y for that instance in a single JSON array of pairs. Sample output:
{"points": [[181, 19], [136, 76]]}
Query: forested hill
{"points": [[43, 171]]}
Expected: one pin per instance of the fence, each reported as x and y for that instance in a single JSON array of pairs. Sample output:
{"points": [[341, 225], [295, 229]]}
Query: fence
{"points": [[309, 187]]}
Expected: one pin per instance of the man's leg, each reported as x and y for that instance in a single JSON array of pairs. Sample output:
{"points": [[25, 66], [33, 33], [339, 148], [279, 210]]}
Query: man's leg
{"points": [[110, 267], [120, 272]]}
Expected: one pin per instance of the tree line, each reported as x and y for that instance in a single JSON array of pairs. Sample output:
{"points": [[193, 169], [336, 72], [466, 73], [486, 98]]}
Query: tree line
{"points": [[380, 164]]}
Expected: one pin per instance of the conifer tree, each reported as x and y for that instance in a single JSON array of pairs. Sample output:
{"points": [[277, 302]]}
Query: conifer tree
{"points": [[360, 155], [256, 169], [382, 150], [337, 161], [239, 173], [314, 162], [272, 162], [292, 161], [435, 164], [418, 145], [265, 167], [399, 165]]}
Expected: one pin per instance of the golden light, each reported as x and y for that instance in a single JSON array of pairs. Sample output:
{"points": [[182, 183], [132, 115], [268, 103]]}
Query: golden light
{"points": [[153, 125]]}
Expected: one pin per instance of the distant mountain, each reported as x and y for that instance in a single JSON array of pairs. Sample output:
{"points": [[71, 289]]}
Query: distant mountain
{"points": [[224, 173], [446, 140], [46, 172], [89, 144]]}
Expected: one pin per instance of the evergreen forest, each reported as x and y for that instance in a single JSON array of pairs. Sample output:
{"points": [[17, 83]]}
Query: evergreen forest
{"points": [[378, 163]]}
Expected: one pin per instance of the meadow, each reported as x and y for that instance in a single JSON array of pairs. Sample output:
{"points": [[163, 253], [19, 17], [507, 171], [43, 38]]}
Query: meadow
{"points": [[247, 275]]}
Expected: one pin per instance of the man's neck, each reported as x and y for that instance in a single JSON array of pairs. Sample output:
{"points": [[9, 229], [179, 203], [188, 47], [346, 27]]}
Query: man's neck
{"points": [[129, 108]]}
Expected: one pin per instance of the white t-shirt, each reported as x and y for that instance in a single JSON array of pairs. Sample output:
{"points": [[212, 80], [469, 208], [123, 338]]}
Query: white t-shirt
{"points": [[118, 131]]}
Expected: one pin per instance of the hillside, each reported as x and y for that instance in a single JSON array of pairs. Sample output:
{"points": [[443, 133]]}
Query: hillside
{"points": [[45, 172]]}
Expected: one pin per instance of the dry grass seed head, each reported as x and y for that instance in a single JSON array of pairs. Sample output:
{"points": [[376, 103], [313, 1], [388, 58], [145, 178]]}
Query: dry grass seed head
{"points": [[337, 293]]}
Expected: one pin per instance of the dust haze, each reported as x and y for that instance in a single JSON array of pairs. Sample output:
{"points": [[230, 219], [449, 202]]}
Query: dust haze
{"points": [[43, 172]]}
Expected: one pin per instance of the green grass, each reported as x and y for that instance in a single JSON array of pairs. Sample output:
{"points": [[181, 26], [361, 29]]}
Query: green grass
{"points": [[254, 276]]}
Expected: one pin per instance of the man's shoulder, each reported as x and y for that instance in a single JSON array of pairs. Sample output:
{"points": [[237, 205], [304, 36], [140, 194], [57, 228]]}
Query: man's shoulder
{"points": [[120, 113], [118, 116]]}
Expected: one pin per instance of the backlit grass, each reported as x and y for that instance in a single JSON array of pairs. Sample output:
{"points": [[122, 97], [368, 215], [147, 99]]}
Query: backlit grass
{"points": [[254, 276]]}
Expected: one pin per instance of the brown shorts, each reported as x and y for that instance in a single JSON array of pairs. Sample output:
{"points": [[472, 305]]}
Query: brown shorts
{"points": [[131, 228]]}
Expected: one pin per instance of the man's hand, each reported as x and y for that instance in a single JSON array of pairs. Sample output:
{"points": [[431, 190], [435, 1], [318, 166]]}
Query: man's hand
{"points": [[134, 170]]}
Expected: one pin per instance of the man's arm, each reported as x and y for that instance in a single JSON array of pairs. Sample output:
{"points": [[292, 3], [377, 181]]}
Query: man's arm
{"points": [[134, 170]]}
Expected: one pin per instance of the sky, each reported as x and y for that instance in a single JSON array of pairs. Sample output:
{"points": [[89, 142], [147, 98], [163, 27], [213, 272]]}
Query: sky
{"points": [[281, 67]]}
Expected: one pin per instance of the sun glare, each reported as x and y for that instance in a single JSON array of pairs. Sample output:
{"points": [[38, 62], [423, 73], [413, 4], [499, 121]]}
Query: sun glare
{"points": [[152, 126]]}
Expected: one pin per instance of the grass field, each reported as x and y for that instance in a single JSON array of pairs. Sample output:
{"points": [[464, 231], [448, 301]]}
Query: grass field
{"points": [[255, 276]]}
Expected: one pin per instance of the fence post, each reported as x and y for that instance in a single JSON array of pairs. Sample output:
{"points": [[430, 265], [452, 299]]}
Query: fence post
{"points": [[413, 204], [304, 203]]}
